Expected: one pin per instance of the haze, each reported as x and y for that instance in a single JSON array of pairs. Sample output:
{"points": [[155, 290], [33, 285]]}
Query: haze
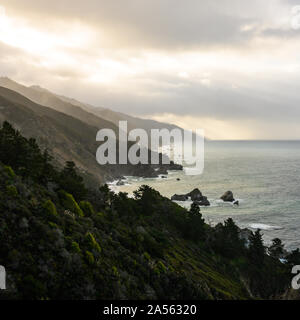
{"points": [[230, 67]]}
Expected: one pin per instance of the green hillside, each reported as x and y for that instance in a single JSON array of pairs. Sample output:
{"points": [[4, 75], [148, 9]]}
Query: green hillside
{"points": [[60, 240]]}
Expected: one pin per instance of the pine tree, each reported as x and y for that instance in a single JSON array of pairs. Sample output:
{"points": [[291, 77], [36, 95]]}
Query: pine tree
{"points": [[256, 248], [195, 209], [71, 182], [196, 224], [276, 249]]}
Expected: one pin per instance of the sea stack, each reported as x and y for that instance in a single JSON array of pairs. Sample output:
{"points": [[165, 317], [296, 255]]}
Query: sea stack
{"points": [[228, 196]]}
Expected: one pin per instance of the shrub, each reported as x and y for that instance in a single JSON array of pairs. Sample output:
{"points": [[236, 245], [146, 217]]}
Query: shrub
{"points": [[87, 208], [147, 256], [161, 267], [92, 242], [69, 202], [50, 208], [53, 225], [11, 191], [9, 171], [115, 271], [75, 247], [89, 257]]}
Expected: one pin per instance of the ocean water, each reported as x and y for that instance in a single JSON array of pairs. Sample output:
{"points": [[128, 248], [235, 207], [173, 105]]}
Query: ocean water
{"points": [[264, 176]]}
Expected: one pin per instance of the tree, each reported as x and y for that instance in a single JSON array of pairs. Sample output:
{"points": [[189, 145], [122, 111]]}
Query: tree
{"points": [[226, 239], [24, 155], [256, 248], [71, 182], [106, 195], [195, 209], [147, 199], [195, 223], [276, 249], [294, 257], [231, 229]]}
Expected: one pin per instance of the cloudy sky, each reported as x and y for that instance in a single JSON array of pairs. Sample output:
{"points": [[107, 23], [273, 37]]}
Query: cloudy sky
{"points": [[231, 67]]}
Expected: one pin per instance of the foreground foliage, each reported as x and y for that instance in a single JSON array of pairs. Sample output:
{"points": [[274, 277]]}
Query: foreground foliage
{"points": [[62, 241]]}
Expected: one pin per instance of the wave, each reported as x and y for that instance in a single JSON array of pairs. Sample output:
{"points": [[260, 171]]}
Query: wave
{"points": [[263, 226], [220, 202]]}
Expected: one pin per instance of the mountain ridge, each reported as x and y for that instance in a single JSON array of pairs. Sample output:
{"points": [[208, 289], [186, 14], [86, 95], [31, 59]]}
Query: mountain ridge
{"points": [[70, 106], [68, 138]]}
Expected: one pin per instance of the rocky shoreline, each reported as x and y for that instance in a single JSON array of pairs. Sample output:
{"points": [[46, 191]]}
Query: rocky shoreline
{"points": [[197, 197], [145, 171]]}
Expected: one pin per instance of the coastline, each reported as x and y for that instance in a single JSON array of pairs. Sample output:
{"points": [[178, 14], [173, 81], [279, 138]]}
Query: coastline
{"points": [[247, 215]]}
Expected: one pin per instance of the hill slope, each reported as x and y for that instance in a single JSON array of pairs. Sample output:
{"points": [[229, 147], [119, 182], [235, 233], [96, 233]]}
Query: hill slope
{"points": [[90, 114], [61, 241], [66, 137]]}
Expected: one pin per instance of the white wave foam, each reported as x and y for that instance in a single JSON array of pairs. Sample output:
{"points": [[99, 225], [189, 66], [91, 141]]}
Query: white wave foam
{"points": [[264, 226]]}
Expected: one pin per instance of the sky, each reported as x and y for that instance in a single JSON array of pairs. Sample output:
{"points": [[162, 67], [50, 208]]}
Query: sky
{"points": [[230, 67]]}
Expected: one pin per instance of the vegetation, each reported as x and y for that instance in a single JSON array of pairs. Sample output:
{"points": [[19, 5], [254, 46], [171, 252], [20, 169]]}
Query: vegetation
{"points": [[110, 246]]}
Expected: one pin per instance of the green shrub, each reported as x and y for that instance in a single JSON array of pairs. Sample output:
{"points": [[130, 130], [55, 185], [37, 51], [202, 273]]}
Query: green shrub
{"points": [[147, 256], [92, 242], [161, 267], [115, 271], [53, 225], [75, 247], [50, 208], [87, 208], [69, 202], [9, 171], [11, 191], [89, 257]]}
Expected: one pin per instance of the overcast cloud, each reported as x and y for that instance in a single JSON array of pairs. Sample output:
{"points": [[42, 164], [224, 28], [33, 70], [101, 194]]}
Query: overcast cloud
{"points": [[231, 67]]}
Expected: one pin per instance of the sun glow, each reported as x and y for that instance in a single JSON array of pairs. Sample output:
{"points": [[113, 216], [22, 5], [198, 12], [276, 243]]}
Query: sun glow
{"points": [[18, 33]]}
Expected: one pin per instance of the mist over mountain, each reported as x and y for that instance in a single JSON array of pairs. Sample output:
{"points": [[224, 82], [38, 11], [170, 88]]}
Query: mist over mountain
{"points": [[67, 137], [92, 115]]}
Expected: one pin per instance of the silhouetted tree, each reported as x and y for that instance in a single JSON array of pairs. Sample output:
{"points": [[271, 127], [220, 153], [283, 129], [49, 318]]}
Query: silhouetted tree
{"points": [[147, 199], [226, 239], [294, 257], [195, 224], [276, 249], [71, 182], [256, 248]]}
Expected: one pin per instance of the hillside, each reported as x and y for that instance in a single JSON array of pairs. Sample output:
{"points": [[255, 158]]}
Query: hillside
{"points": [[46, 98], [87, 113], [67, 138], [60, 240]]}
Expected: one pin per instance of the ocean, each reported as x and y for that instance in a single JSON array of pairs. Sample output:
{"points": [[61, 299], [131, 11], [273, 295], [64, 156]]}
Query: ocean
{"points": [[263, 175]]}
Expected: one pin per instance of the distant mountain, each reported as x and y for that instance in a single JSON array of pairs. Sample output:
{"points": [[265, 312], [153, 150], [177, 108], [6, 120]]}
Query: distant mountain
{"points": [[67, 137], [46, 98], [85, 112]]}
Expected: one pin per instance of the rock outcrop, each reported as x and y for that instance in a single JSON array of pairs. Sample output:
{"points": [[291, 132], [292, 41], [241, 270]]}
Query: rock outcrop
{"points": [[203, 202], [179, 197], [195, 195], [228, 196], [120, 183]]}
